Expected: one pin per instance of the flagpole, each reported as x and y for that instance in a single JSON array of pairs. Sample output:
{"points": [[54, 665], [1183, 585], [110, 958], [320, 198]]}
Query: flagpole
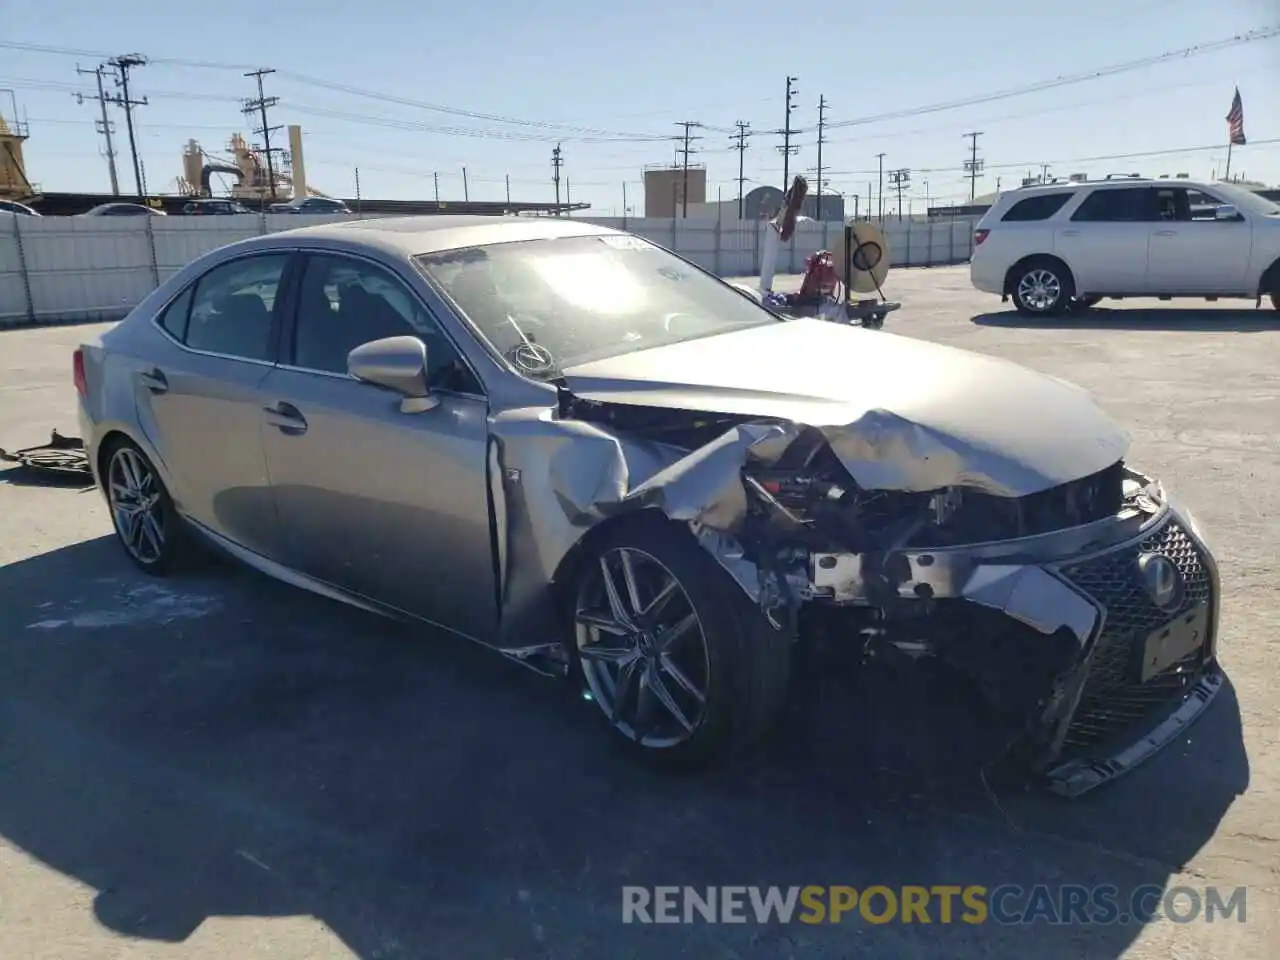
{"points": [[1227, 175]]}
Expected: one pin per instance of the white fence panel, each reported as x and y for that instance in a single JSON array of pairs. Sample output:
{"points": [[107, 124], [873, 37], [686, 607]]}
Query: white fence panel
{"points": [[57, 269]]}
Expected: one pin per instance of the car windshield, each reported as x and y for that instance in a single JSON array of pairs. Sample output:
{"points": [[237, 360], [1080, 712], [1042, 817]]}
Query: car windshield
{"points": [[1245, 199], [547, 305]]}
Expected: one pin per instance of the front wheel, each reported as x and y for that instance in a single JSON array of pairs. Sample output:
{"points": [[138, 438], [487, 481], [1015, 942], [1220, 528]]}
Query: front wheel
{"points": [[678, 659], [1042, 288]]}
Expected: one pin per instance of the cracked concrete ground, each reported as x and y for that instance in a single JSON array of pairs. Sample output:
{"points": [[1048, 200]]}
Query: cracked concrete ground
{"points": [[219, 766]]}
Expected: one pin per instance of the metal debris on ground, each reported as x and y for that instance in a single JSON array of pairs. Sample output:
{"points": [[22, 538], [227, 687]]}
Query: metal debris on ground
{"points": [[61, 456]]}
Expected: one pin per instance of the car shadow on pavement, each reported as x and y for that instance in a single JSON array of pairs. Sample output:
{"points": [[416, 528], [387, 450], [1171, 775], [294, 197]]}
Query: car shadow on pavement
{"points": [[1192, 320], [23, 476], [221, 745]]}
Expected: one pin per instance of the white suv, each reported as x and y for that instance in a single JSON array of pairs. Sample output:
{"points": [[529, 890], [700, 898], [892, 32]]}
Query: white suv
{"points": [[1058, 246]]}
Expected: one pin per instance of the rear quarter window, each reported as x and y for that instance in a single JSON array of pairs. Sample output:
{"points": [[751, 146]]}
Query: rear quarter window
{"points": [[1036, 208]]}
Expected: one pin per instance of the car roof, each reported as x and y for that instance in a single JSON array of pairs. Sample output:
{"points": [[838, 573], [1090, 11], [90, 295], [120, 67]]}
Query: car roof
{"points": [[409, 236]]}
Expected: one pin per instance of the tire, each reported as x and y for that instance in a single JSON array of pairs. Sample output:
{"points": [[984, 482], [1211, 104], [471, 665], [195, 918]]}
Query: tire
{"points": [[1042, 287], [1275, 300], [708, 649], [148, 527]]}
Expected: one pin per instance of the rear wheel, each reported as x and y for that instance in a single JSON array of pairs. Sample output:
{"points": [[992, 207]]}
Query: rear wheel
{"points": [[148, 527], [1042, 288], [677, 658]]}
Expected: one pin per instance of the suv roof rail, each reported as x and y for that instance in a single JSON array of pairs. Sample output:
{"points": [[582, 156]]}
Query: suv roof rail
{"points": [[1124, 176]]}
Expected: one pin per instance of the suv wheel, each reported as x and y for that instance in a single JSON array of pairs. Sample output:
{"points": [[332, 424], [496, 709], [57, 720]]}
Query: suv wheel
{"points": [[1042, 288], [1275, 300]]}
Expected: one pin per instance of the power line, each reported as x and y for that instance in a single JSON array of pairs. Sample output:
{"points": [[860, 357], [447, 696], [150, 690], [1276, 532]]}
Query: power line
{"points": [[122, 66], [557, 161], [973, 165], [880, 197], [684, 163], [744, 131], [822, 110], [900, 178], [786, 149], [103, 126], [1252, 36], [260, 106], [1201, 49]]}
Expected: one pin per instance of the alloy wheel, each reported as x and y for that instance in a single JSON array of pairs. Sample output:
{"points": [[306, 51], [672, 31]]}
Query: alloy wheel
{"points": [[1039, 289], [134, 494], [642, 647]]}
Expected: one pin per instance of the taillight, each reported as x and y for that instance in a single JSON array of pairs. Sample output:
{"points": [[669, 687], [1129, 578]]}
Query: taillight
{"points": [[979, 236], [77, 373]]}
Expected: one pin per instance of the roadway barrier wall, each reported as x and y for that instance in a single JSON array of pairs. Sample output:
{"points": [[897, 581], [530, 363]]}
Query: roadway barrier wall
{"points": [[71, 269]]}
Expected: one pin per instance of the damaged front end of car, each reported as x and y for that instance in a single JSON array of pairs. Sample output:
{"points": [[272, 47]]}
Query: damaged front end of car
{"points": [[1084, 609]]}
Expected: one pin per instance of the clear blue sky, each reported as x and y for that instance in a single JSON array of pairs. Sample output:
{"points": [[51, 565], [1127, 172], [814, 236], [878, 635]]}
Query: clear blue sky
{"points": [[638, 68]]}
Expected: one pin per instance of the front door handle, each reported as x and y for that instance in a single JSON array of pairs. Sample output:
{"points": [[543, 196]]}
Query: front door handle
{"points": [[1071, 233], [286, 418], [1166, 233], [154, 381]]}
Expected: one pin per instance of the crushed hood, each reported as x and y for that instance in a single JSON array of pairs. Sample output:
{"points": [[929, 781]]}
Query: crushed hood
{"points": [[901, 414]]}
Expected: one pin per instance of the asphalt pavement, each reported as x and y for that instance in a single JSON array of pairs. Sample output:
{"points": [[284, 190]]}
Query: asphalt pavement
{"points": [[220, 766]]}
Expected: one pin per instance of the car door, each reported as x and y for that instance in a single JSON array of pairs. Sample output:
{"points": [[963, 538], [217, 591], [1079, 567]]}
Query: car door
{"points": [[1105, 240], [200, 397], [391, 505], [1195, 253]]}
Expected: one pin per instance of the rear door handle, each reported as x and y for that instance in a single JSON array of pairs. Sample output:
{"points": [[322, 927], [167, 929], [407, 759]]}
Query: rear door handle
{"points": [[154, 381], [1166, 233], [1071, 233], [286, 418]]}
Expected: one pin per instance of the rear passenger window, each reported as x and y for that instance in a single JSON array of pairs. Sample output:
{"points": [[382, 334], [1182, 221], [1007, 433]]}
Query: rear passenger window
{"points": [[174, 318], [1134, 205], [1036, 208], [232, 309]]}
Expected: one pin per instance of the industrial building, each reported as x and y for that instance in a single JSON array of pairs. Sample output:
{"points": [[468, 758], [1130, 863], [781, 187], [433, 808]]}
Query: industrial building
{"points": [[256, 185], [664, 189]]}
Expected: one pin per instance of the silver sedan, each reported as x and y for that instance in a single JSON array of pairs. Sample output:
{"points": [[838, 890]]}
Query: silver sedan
{"points": [[573, 446]]}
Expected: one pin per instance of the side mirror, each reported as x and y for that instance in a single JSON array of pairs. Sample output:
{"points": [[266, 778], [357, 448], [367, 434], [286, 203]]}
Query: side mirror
{"points": [[1226, 211], [397, 363]]}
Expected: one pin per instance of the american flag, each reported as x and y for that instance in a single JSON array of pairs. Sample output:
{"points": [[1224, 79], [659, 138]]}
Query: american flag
{"points": [[1235, 120]]}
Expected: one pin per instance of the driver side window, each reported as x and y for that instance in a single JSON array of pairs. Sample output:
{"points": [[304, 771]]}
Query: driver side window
{"points": [[344, 302]]}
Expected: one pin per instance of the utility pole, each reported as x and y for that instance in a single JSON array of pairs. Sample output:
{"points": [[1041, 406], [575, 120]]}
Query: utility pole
{"points": [[624, 199], [900, 178], [357, 191], [744, 131], [435, 179], [787, 150], [260, 107], [880, 211], [466, 192], [684, 152], [122, 66], [973, 166], [103, 125], [508, 179], [822, 119], [557, 161]]}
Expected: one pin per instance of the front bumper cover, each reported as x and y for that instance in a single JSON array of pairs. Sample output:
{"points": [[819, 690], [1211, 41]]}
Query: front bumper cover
{"points": [[1099, 717]]}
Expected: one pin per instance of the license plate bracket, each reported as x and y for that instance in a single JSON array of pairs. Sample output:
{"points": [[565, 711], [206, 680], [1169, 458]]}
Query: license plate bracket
{"points": [[1177, 638]]}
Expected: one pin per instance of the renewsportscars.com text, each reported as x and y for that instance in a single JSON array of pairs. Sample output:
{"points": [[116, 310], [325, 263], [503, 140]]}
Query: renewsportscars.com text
{"points": [[1007, 904]]}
